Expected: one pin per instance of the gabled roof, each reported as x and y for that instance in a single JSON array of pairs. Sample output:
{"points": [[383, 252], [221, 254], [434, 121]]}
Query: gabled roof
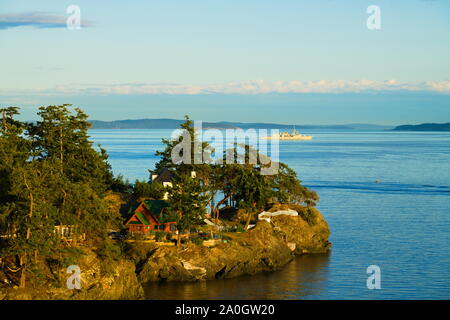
{"points": [[143, 218], [153, 209]]}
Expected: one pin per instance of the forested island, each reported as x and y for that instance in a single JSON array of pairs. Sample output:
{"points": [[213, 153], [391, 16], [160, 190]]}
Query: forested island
{"points": [[173, 123], [62, 207], [424, 127]]}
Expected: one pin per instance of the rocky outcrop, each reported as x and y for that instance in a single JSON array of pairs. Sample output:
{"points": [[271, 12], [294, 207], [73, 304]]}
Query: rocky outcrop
{"points": [[309, 235], [267, 247], [118, 283]]}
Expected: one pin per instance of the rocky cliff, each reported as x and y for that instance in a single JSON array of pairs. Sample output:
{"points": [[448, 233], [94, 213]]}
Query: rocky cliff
{"points": [[119, 283], [267, 247]]}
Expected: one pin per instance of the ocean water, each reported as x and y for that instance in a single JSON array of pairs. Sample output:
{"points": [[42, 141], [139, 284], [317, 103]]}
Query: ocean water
{"points": [[385, 196]]}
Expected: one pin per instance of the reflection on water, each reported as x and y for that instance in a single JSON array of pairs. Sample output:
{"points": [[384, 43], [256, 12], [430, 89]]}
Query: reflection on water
{"points": [[305, 276]]}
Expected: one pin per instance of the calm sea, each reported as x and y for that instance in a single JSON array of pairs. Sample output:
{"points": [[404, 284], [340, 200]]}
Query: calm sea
{"points": [[385, 195]]}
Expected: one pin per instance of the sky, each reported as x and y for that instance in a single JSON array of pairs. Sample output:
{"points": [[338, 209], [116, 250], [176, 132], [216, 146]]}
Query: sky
{"points": [[284, 61]]}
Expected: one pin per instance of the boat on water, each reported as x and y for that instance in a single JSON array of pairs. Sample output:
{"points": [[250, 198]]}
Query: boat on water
{"points": [[289, 136]]}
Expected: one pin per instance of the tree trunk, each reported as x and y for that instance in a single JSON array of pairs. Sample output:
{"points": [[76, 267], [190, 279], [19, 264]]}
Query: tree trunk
{"points": [[74, 230], [216, 208], [28, 236], [249, 217], [23, 274], [179, 239], [61, 143], [247, 223]]}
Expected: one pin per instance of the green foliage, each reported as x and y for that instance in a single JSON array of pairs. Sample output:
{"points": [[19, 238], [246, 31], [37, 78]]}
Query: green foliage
{"points": [[109, 251], [198, 150], [288, 189], [147, 190], [14, 152], [51, 175], [137, 251], [63, 135], [197, 241], [187, 202], [308, 214], [240, 183], [160, 236], [119, 184]]}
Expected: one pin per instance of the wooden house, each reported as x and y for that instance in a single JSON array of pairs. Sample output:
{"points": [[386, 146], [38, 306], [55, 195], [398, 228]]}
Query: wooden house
{"points": [[149, 215]]}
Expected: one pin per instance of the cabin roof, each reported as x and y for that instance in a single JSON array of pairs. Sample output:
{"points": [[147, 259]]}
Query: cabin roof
{"points": [[153, 209], [143, 218]]}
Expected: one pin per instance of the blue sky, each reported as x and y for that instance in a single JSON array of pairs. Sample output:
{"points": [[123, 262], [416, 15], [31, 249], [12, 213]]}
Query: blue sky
{"points": [[284, 61]]}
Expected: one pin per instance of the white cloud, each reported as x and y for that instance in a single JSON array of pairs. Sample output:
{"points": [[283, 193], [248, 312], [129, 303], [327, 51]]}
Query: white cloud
{"points": [[245, 87], [35, 19]]}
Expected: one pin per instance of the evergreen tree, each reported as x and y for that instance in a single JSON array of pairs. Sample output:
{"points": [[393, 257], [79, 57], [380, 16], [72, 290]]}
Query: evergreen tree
{"points": [[187, 202], [145, 190], [239, 183], [64, 136], [32, 214], [14, 151], [287, 188], [50, 175], [203, 151]]}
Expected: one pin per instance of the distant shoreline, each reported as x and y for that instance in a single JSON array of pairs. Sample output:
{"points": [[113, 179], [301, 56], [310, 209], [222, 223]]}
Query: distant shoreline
{"points": [[425, 127], [173, 124]]}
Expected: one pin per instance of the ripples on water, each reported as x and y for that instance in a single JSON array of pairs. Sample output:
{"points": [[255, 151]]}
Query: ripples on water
{"points": [[385, 195]]}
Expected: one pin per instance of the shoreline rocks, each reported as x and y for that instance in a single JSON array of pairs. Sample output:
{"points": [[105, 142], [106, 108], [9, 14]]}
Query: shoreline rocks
{"points": [[120, 283], [267, 247]]}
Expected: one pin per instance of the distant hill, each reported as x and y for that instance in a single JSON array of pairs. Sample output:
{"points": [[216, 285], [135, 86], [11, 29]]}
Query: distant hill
{"points": [[172, 124], [259, 125], [369, 127], [424, 127], [148, 124]]}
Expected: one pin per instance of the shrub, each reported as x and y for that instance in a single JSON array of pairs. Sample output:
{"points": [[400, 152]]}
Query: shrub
{"points": [[108, 252], [137, 251], [138, 236], [160, 235], [144, 189], [308, 214], [197, 241]]}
